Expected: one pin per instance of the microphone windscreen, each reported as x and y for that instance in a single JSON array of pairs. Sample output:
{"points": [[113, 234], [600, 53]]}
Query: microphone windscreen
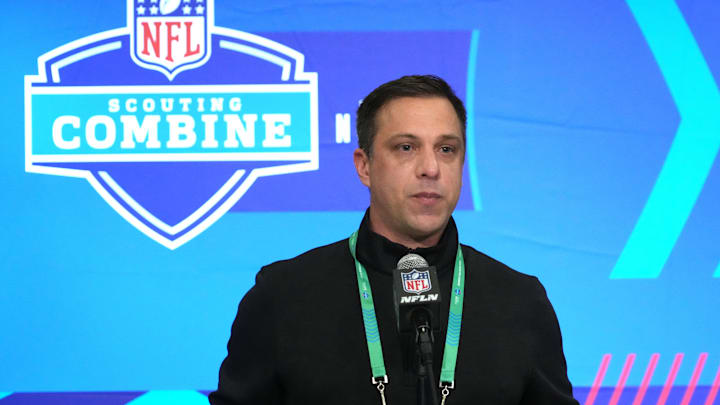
{"points": [[412, 261]]}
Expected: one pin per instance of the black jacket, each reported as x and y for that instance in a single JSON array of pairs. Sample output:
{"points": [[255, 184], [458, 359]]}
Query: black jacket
{"points": [[298, 336]]}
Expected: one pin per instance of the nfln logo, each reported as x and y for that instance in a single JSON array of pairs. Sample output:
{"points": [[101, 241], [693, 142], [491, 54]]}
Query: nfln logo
{"points": [[171, 119]]}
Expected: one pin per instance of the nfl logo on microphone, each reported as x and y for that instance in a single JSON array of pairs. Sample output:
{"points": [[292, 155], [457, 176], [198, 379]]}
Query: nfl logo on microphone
{"points": [[416, 281]]}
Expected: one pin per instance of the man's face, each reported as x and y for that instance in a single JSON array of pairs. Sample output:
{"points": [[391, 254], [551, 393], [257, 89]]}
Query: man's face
{"points": [[415, 172]]}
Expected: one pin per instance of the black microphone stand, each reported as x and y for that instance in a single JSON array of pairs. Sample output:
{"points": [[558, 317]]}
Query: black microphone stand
{"points": [[426, 374]]}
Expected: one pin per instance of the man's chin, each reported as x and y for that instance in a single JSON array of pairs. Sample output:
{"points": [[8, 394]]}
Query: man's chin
{"points": [[429, 229]]}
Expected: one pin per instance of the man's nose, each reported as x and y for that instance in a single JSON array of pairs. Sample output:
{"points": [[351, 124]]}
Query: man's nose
{"points": [[427, 165]]}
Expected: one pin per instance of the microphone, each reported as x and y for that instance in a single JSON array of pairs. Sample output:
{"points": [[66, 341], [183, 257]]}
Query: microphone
{"points": [[416, 292], [417, 297], [412, 261]]}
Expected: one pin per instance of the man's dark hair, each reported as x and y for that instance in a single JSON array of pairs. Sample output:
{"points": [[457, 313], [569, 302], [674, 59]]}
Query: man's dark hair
{"points": [[406, 86]]}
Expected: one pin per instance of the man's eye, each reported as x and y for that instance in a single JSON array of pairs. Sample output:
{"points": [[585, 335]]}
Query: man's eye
{"points": [[405, 147], [447, 149]]}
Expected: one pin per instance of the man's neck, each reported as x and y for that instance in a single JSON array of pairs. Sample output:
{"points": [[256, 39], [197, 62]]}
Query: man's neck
{"points": [[424, 241]]}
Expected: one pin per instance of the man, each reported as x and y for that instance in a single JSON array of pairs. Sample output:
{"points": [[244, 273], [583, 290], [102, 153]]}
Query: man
{"points": [[300, 335]]}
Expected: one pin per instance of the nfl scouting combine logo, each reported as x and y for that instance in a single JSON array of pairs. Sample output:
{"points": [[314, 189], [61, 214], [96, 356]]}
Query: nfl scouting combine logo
{"points": [[171, 119]]}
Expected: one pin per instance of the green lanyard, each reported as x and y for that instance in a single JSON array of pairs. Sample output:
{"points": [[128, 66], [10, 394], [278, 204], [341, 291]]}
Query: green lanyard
{"points": [[372, 334]]}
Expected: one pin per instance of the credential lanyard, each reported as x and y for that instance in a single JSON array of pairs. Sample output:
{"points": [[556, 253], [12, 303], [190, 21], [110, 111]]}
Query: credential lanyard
{"points": [[372, 333]]}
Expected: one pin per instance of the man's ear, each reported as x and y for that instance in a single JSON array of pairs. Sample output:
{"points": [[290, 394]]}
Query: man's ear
{"points": [[362, 165]]}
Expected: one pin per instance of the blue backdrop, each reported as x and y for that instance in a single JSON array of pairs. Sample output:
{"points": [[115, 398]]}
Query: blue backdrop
{"points": [[593, 135]]}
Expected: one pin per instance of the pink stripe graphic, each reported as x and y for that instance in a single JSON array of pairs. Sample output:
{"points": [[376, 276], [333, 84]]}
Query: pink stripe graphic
{"points": [[714, 390], [694, 379], [670, 379], [623, 378], [646, 379], [599, 377]]}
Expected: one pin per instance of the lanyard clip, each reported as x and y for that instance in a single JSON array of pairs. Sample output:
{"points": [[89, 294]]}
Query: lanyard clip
{"points": [[448, 385], [446, 390], [379, 380]]}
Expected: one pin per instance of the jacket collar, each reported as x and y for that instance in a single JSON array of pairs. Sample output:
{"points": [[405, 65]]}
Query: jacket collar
{"points": [[380, 254]]}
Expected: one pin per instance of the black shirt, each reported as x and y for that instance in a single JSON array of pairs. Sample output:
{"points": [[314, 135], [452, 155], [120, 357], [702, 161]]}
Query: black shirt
{"points": [[298, 336]]}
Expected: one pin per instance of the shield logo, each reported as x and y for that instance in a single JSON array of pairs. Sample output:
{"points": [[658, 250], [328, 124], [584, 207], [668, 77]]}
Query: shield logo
{"points": [[169, 36], [416, 281], [171, 158]]}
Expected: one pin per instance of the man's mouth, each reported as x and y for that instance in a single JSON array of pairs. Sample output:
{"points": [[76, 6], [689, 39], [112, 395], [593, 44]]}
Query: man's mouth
{"points": [[427, 197]]}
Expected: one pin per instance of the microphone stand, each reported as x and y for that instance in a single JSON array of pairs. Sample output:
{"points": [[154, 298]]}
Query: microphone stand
{"points": [[426, 374]]}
